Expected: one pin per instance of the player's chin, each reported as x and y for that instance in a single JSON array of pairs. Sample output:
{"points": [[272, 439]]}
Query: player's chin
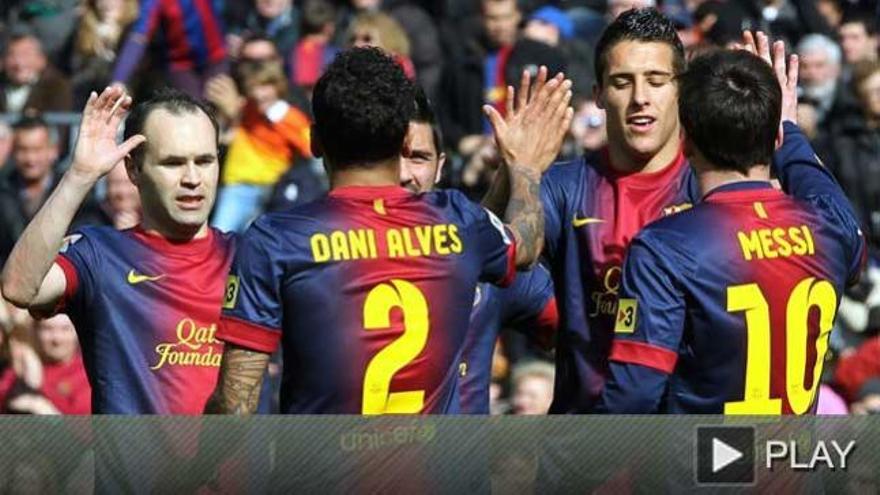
{"points": [[644, 145]]}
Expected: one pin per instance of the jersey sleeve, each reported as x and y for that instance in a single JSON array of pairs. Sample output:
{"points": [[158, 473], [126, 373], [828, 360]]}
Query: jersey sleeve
{"points": [[79, 260], [803, 176], [252, 306], [529, 305], [647, 332]]}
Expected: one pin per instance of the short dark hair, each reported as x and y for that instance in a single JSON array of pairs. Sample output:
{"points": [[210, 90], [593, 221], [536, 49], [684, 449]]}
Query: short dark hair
{"points": [[171, 100], [425, 115], [362, 106], [28, 122], [316, 14], [642, 25], [860, 16], [730, 104]]}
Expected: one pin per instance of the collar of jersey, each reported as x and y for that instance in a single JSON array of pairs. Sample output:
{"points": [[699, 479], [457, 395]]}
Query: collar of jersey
{"points": [[644, 180], [746, 190], [370, 192], [164, 245]]}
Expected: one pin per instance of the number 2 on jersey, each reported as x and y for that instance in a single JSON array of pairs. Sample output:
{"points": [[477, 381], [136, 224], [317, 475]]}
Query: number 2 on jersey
{"points": [[807, 294], [377, 315]]}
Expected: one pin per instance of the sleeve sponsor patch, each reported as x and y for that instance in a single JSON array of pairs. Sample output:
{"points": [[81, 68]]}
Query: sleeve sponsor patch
{"points": [[626, 316], [230, 295]]}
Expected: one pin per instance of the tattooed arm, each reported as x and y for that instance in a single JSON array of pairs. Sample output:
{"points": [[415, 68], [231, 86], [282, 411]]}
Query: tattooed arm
{"points": [[529, 138], [241, 377]]}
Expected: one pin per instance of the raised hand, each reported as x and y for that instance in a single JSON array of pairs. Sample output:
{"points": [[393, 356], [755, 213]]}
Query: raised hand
{"points": [[531, 133], [786, 74], [96, 150]]}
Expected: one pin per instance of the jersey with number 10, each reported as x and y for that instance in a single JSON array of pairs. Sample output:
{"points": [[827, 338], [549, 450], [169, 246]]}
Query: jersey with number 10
{"points": [[735, 298], [368, 291]]}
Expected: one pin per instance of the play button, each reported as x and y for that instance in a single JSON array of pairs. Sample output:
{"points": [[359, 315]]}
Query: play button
{"points": [[725, 455]]}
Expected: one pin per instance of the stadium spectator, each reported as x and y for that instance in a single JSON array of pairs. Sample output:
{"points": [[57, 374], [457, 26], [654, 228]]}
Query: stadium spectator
{"points": [[315, 49], [858, 378], [426, 51], [35, 174], [267, 140], [858, 38], [381, 30], [820, 63], [62, 386], [553, 27], [30, 84], [193, 47], [788, 20], [853, 153], [588, 128], [52, 22], [474, 75], [277, 20], [102, 27], [532, 387], [122, 202], [145, 300]]}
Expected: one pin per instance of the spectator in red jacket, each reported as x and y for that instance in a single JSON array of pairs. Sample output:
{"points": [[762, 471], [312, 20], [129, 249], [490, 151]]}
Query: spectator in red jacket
{"points": [[858, 378]]}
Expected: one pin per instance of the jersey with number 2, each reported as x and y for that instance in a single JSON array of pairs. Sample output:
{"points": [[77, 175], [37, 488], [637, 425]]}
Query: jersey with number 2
{"points": [[369, 293]]}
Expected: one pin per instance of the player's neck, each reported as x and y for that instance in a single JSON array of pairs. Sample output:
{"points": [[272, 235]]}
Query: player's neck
{"points": [[180, 233], [625, 161], [385, 173], [710, 179]]}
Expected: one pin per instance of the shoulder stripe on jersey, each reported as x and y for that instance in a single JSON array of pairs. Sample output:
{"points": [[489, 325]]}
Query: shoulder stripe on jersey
{"points": [[249, 335], [628, 351]]}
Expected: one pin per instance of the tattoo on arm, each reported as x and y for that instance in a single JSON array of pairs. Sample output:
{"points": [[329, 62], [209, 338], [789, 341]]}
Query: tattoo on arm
{"points": [[241, 377], [525, 215]]}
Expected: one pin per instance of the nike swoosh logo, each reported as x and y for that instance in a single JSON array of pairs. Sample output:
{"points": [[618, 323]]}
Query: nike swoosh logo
{"points": [[580, 222], [136, 278]]}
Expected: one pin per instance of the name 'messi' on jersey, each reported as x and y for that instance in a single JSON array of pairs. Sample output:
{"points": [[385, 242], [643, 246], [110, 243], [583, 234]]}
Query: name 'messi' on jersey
{"points": [[404, 242], [777, 242]]}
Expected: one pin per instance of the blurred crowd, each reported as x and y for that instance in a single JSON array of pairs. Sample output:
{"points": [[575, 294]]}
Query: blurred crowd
{"points": [[257, 61]]}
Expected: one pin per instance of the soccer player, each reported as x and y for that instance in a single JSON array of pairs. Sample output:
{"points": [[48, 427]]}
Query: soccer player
{"points": [[365, 287], [527, 305], [593, 209], [145, 301], [727, 307]]}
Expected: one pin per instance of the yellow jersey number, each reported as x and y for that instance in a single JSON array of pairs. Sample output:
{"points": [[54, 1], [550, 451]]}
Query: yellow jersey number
{"points": [[377, 398], [808, 293]]}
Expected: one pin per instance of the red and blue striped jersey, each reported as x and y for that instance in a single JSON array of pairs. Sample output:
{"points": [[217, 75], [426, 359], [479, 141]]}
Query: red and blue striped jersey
{"points": [[146, 311], [368, 291], [528, 305], [592, 213], [727, 307]]}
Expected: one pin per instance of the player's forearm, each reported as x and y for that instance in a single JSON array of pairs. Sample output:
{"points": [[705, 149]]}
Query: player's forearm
{"points": [[37, 247], [241, 377], [525, 215], [498, 195]]}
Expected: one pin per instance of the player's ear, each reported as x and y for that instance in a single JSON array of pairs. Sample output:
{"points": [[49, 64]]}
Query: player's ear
{"points": [[597, 96], [132, 170], [317, 147], [441, 160], [780, 135]]}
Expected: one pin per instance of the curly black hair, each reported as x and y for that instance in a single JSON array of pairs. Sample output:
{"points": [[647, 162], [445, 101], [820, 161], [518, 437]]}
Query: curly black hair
{"points": [[643, 25], [362, 106]]}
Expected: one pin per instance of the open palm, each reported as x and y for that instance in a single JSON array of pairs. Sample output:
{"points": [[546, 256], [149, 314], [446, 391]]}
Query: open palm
{"points": [[96, 149]]}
